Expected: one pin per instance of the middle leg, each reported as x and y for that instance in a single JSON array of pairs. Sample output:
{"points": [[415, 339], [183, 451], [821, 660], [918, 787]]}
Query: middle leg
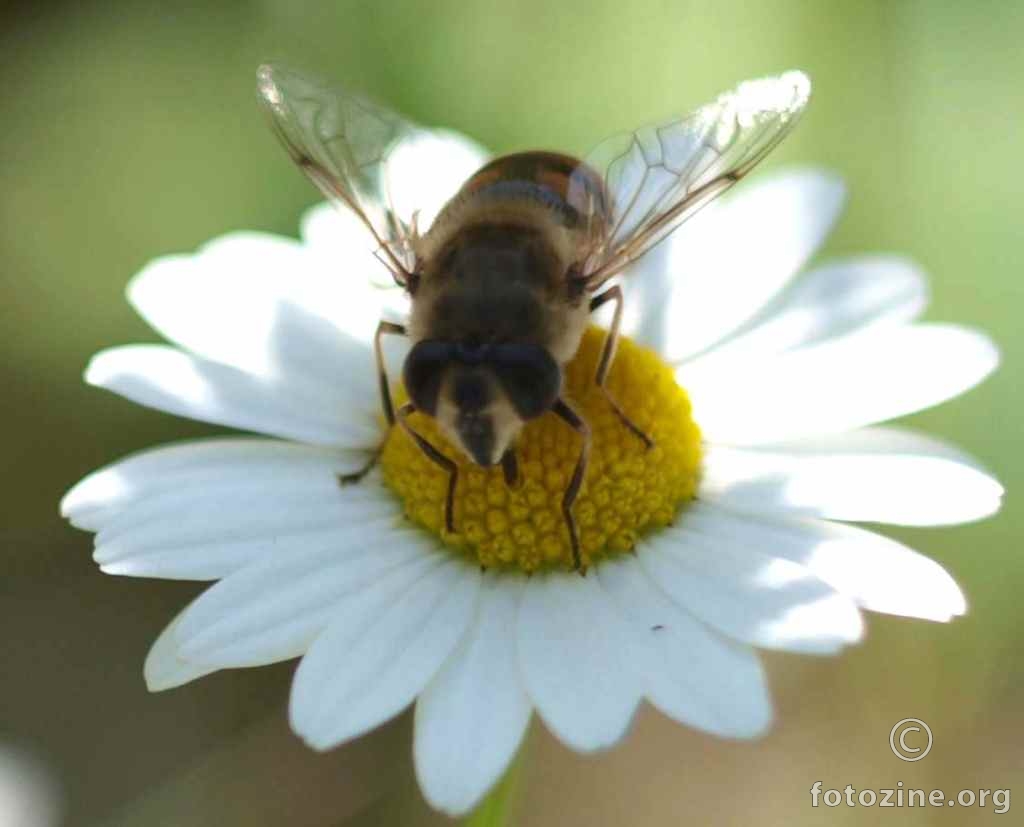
{"points": [[604, 364]]}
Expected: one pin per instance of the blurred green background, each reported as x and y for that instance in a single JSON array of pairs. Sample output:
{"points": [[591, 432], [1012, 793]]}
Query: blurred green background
{"points": [[131, 130]]}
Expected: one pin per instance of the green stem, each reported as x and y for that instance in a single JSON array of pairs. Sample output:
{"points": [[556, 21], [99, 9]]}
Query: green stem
{"points": [[497, 807]]}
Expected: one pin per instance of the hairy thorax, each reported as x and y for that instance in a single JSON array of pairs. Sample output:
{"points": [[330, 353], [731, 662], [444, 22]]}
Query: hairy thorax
{"points": [[498, 281]]}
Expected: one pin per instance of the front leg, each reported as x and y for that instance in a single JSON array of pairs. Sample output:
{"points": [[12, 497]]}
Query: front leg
{"points": [[604, 364], [436, 457], [386, 402], [510, 468], [562, 410]]}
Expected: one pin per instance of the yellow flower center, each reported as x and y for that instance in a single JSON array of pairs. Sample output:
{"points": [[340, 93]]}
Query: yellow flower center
{"points": [[628, 489]]}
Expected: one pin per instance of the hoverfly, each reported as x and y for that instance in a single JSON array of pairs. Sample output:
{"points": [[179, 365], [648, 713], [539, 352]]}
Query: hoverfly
{"points": [[503, 281]]}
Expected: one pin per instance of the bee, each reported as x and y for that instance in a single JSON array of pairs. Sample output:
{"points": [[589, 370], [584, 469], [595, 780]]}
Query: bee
{"points": [[503, 281]]}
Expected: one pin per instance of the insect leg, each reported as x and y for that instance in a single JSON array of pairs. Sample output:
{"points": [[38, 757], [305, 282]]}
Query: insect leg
{"points": [[604, 364], [510, 468], [385, 396], [562, 410], [435, 456], [382, 372]]}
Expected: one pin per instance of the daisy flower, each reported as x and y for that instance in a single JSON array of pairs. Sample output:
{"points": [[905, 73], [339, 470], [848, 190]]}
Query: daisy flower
{"points": [[762, 394]]}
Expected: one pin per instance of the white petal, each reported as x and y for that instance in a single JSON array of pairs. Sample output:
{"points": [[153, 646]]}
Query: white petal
{"points": [[383, 646], [693, 675], [880, 475], [274, 609], [265, 305], [33, 790], [722, 267], [839, 385], [164, 668], [175, 520], [213, 508], [166, 379], [345, 249], [884, 575], [833, 300], [222, 532], [726, 570], [111, 491], [574, 648], [471, 717], [880, 574], [210, 560], [425, 172]]}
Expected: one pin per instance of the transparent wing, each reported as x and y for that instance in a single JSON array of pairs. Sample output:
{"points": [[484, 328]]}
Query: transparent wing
{"points": [[657, 177], [343, 143]]}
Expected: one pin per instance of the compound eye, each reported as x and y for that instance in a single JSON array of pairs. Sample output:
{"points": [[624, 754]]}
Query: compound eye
{"points": [[423, 371], [529, 375]]}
